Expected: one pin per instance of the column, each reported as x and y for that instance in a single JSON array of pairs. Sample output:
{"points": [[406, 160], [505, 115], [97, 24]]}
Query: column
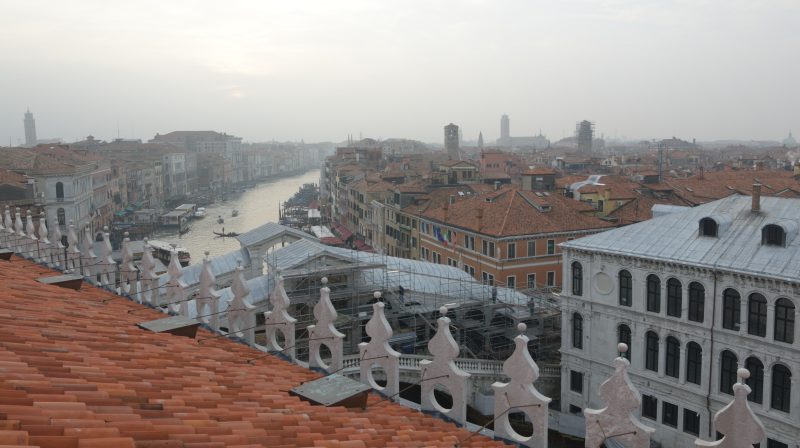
{"points": [[770, 320], [742, 316], [662, 355], [682, 367], [768, 384], [685, 299]]}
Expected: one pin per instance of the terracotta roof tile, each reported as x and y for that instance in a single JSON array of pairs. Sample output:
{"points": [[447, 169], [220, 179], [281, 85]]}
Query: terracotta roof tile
{"points": [[76, 372]]}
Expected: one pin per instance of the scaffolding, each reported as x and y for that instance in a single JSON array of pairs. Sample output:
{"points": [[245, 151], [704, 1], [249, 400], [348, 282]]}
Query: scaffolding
{"points": [[483, 317]]}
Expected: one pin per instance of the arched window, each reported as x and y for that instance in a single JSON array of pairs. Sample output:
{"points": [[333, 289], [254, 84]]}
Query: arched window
{"points": [[708, 227], [577, 279], [727, 372], [653, 293], [756, 380], [694, 362], [62, 217], [697, 301], [773, 235], [757, 315], [651, 351], [781, 388], [624, 336], [674, 297], [784, 321], [59, 190], [625, 288], [731, 309], [673, 364], [577, 330]]}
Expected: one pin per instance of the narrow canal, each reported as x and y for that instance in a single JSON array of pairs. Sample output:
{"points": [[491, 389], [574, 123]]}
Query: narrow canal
{"points": [[256, 206]]}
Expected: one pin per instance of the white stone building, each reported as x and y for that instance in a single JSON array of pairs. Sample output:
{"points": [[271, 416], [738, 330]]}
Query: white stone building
{"points": [[695, 293]]}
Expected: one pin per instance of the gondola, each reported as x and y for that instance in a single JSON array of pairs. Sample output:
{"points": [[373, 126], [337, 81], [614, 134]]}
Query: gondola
{"points": [[226, 235]]}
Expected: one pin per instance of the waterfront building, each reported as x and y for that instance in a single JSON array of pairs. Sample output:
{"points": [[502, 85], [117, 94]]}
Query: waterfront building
{"points": [[695, 293]]}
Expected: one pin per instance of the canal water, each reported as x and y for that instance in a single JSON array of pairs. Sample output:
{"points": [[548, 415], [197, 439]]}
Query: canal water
{"points": [[256, 206]]}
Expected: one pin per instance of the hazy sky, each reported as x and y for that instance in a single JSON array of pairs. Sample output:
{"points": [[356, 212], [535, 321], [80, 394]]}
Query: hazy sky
{"points": [[318, 70]]}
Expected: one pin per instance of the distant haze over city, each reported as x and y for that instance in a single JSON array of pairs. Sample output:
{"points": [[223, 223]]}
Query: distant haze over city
{"points": [[320, 70]]}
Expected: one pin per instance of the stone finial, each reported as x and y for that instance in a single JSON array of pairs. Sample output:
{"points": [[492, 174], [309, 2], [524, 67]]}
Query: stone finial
{"points": [[149, 282], [107, 267], [241, 318], [736, 421], [279, 320], [6, 229], [175, 289], [128, 269], [618, 417], [45, 252], [324, 332], [88, 263], [57, 248], [443, 367], [20, 234], [378, 351], [73, 260], [520, 393], [207, 301]]}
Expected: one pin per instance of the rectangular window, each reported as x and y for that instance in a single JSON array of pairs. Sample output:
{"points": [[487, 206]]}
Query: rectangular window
{"points": [[469, 270], [437, 258], [532, 248], [649, 407], [469, 242], [531, 281], [669, 414], [511, 282], [488, 279], [451, 262], [691, 422], [694, 360], [551, 247], [576, 381], [551, 278], [512, 250]]}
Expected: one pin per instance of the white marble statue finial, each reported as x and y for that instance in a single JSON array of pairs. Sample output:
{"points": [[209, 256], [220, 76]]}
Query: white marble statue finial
{"points": [[378, 351], [128, 284], [73, 251], [278, 321], [21, 243], [107, 267], [738, 424], [444, 350], [520, 393], [324, 332], [241, 318], [175, 289], [31, 235], [149, 290], [45, 251], [207, 301], [618, 417], [57, 248], [87, 256]]}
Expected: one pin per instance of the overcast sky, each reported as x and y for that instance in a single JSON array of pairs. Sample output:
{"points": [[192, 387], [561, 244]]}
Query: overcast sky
{"points": [[318, 70]]}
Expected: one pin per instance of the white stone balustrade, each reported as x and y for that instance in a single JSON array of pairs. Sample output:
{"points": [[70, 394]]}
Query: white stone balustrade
{"points": [[148, 280], [378, 352], [207, 301], [4, 229], [73, 260], [106, 266], [520, 394], [736, 421], [175, 289], [88, 258], [442, 370], [278, 321], [241, 317], [324, 332], [617, 420], [128, 281]]}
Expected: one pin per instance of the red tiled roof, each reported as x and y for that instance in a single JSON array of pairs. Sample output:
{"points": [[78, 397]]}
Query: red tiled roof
{"points": [[76, 372]]}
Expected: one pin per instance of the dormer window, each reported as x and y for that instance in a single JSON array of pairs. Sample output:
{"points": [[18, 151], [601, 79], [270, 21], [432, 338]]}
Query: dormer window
{"points": [[773, 235], [708, 227]]}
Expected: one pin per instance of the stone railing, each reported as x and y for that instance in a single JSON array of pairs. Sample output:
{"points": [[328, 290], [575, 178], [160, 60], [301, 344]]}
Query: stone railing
{"points": [[486, 367]]}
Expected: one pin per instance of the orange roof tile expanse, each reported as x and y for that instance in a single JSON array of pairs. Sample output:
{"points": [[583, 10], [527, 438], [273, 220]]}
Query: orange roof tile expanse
{"points": [[76, 372]]}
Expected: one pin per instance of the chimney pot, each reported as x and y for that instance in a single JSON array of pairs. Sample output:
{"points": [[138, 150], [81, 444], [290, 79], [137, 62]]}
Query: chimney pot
{"points": [[756, 207]]}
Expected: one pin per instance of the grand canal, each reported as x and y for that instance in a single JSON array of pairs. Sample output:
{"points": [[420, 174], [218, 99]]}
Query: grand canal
{"points": [[256, 206]]}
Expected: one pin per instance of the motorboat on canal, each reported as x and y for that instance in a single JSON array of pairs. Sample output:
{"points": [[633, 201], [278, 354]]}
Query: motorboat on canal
{"points": [[200, 213], [163, 251]]}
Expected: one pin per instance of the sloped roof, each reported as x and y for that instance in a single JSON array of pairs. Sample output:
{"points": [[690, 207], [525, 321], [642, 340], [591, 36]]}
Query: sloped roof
{"points": [[674, 237], [75, 370], [268, 231]]}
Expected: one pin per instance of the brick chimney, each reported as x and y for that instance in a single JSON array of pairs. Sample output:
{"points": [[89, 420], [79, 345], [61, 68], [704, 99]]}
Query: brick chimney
{"points": [[756, 208]]}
